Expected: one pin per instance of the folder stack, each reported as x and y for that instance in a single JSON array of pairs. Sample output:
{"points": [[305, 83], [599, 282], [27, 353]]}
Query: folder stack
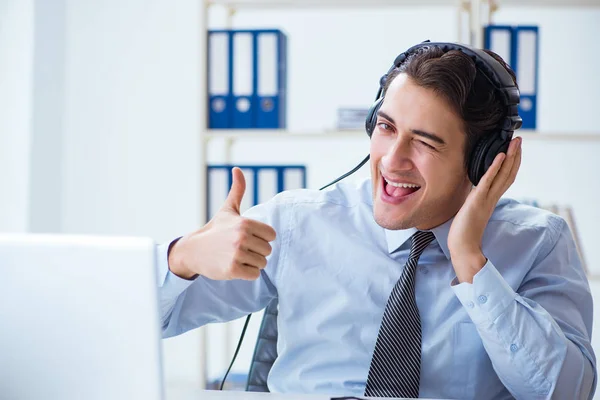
{"points": [[518, 46], [247, 74], [262, 183]]}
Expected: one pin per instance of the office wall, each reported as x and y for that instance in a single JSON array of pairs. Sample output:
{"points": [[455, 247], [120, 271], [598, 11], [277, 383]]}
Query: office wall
{"points": [[131, 122], [16, 89]]}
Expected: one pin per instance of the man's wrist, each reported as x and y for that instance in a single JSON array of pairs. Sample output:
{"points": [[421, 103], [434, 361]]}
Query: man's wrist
{"points": [[176, 264], [467, 264]]}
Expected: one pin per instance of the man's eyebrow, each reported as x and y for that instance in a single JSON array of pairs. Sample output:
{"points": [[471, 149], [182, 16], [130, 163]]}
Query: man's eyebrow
{"points": [[430, 136], [384, 115]]}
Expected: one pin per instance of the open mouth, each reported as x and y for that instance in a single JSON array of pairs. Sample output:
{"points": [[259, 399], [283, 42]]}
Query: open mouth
{"points": [[396, 192]]}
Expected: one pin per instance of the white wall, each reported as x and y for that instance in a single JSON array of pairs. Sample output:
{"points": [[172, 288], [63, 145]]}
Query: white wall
{"points": [[133, 85], [16, 89], [131, 123]]}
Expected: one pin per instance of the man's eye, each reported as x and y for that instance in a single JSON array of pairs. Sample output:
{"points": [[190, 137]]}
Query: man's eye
{"points": [[427, 145], [384, 126]]}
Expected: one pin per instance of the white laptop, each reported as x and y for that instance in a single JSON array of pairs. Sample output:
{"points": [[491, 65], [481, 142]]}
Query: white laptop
{"points": [[78, 318]]}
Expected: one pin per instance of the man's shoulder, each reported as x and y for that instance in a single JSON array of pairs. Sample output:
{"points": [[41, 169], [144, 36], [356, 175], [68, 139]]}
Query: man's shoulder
{"points": [[525, 217]]}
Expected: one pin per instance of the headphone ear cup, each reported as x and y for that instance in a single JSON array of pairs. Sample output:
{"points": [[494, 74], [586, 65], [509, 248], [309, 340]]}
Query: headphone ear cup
{"points": [[372, 116], [484, 154], [476, 161]]}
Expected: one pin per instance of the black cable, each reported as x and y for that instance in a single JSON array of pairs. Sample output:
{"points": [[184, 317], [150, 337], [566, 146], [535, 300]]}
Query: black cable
{"points": [[237, 350], [363, 162]]}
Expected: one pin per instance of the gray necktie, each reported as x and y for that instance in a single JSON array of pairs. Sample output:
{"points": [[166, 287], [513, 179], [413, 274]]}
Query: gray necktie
{"points": [[396, 364]]}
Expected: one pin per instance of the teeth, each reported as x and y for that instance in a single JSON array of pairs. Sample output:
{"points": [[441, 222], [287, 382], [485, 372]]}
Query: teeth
{"points": [[402, 185]]}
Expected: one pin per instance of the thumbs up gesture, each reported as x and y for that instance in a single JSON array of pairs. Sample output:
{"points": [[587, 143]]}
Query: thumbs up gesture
{"points": [[228, 247]]}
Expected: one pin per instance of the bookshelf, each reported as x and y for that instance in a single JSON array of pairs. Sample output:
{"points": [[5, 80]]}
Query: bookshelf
{"points": [[476, 12]]}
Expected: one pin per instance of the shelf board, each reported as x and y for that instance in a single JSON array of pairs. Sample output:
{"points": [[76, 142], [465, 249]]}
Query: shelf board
{"points": [[230, 134], [237, 4], [549, 3]]}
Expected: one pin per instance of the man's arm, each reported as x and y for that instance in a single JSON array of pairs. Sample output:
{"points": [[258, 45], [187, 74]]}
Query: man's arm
{"points": [[222, 271], [188, 304], [537, 338]]}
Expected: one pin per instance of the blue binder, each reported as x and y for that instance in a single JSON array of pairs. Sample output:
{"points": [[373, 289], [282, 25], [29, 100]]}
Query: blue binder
{"points": [[247, 72], [262, 183], [243, 70], [271, 75], [526, 45], [219, 80], [518, 46]]}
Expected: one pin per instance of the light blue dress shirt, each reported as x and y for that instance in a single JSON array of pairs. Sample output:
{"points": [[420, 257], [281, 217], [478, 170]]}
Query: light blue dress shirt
{"points": [[521, 329]]}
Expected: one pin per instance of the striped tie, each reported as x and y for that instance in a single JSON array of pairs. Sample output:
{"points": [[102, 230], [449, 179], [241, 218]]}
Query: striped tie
{"points": [[396, 365]]}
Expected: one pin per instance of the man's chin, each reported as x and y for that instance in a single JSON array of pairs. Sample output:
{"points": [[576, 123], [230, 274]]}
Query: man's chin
{"points": [[393, 223]]}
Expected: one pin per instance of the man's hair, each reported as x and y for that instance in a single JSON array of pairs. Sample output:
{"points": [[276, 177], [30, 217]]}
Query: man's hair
{"points": [[454, 77]]}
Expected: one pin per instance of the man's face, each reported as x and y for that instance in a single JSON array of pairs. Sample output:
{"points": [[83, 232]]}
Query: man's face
{"points": [[417, 159]]}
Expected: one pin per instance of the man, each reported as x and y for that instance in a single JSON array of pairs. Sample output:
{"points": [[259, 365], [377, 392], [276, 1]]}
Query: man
{"points": [[498, 306]]}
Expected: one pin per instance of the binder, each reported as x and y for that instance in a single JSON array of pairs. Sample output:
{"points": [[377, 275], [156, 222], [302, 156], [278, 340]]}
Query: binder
{"points": [[247, 84], [262, 183], [526, 68], [219, 80], [243, 67], [249, 198], [293, 178], [499, 39], [270, 56], [219, 182], [518, 46], [267, 184]]}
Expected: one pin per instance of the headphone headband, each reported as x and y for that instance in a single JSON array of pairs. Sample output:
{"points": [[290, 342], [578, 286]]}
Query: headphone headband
{"points": [[498, 77]]}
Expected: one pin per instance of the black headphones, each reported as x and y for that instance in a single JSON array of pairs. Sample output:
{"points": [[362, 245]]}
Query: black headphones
{"points": [[489, 146]]}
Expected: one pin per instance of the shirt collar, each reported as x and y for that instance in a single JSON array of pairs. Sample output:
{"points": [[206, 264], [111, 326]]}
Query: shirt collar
{"points": [[397, 238]]}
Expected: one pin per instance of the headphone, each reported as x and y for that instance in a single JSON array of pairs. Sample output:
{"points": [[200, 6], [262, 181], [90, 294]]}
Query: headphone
{"points": [[488, 146]]}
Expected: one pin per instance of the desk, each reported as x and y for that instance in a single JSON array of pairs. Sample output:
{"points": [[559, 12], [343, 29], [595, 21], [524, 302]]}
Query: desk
{"points": [[237, 395]]}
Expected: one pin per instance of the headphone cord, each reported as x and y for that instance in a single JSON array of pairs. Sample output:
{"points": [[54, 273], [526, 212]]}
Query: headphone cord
{"points": [[237, 350], [363, 162]]}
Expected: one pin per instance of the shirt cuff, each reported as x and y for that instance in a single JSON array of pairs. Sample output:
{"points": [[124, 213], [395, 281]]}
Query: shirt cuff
{"points": [[487, 297], [171, 285]]}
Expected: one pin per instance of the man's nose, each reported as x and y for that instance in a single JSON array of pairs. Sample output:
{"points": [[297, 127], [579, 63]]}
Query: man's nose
{"points": [[398, 156]]}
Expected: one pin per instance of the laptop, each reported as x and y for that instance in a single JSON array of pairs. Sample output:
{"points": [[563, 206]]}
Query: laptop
{"points": [[79, 318]]}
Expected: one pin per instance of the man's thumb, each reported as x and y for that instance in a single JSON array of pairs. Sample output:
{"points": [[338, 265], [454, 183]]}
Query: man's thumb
{"points": [[236, 193]]}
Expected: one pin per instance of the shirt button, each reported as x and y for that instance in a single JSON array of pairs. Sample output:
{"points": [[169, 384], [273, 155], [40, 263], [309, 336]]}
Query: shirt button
{"points": [[424, 270], [470, 304], [482, 299], [514, 347]]}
